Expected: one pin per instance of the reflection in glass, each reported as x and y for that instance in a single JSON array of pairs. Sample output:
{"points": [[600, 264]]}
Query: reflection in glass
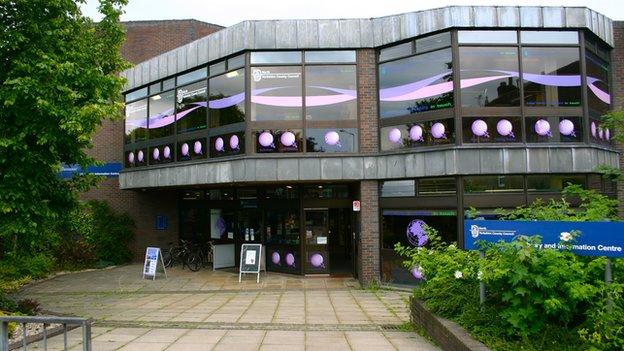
{"points": [[262, 57], [552, 183], [433, 42], [192, 76], [191, 107], [414, 134], [398, 188], [331, 140], [416, 84], [276, 93], [227, 98], [492, 129], [136, 121], [489, 76], [598, 94], [338, 56], [331, 92], [139, 93], [395, 51], [162, 118], [549, 37], [551, 76], [487, 37], [493, 184]]}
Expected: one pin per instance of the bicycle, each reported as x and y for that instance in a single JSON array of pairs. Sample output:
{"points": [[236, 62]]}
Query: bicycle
{"points": [[199, 256], [177, 253]]}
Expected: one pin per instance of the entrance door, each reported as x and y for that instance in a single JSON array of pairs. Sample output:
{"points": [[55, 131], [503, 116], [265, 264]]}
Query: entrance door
{"points": [[316, 236], [340, 242]]}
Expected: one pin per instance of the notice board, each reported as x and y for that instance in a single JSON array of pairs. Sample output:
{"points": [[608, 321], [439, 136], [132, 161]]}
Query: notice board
{"points": [[251, 260]]}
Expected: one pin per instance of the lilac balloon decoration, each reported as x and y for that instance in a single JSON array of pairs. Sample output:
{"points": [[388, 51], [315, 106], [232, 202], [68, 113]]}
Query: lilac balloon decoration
{"points": [[288, 139], [197, 147], [566, 127], [416, 133], [417, 273], [167, 152], [394, 135], [131, 157], [140, 155], [317, 260], [438, 130], [275, 258], [479, 128], [593, 129], [219, 144], [156, 154], [290, 259], [266, 139], [607, 134], [185, 149], [505, 128], [332, 138], [600, 135], [220, 225], [234, 142], [416, 233], [542, 128]]}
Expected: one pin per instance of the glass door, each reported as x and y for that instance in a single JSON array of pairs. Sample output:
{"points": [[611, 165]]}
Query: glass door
{"points": [[316, 240]]}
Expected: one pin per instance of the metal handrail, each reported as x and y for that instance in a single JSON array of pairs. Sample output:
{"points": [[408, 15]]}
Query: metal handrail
{"points": [[45, 320]]}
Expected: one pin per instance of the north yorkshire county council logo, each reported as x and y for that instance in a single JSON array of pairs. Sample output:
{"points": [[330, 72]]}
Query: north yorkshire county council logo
{"points": [[181, 94], [256, 74], [474, 231]]}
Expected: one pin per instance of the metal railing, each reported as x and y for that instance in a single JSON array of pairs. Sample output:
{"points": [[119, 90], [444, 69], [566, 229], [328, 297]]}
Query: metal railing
{"points": [[46, 321]]}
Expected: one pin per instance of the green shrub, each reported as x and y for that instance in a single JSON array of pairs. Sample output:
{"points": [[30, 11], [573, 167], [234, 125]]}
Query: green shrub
{"points": [[15, 268], [111, 234]]}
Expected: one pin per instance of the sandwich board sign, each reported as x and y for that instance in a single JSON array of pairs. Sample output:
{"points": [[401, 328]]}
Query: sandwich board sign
{"points": [[152, 256], [251, 260]]}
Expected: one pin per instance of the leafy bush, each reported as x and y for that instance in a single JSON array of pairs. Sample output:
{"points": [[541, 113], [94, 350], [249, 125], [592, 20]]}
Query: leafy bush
{"points": [[28, 307], [112, 233], [15, 268]]}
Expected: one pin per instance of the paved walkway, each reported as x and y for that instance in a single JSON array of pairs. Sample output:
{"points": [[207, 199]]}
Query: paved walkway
{"points": [[212, 311]]}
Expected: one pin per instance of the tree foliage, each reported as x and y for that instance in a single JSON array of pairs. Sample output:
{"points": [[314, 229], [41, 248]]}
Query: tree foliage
{"points": [[58, 82]]}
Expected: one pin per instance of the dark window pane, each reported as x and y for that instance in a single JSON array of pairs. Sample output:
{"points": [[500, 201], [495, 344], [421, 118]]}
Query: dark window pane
{"points": [[192, 149], [137, 94], [136, 121], [236, 62], [429, 133], [331, 93], [191, 109], [162, 153], [549, 37], [330, 56], [217, 68], [227, 144], [276, 93], [433, 42], [493, 184], [395, 51], [598, 94], [192, 76], [227, 98], [551, 76], [331, 140], [552, 183], [492, 129], [487, 37], [326, 192], [162, 118], [416, 84], [268, 141], [489, 76], [282, 192], [554, 129], [398, 188], [436, 186], [261, 57]]}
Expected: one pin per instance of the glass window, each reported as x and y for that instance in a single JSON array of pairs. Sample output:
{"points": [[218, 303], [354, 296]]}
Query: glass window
{"points": [[192, 76], [285, 192], [137, 94], [487, 37], [398, 188], [551, 76], [489, 76], [154, 88], [217, 68], [429, 133], [227, 144], [547, 183], [395, 51], [599, 133], [236, 62], [191, 107], [437, 186], [192, 149], [161, 153], [227, 98], [331, 92], [554, 129], [330, 56], [136, 121], [161, 119], [262, 57], [492, 129], [140, 158], [493, 184], [416, 84], [433, 42], [168, 84], [268, 141], [331, 140], [549, 37], [598, 94], [326, 192], [276, 93]]}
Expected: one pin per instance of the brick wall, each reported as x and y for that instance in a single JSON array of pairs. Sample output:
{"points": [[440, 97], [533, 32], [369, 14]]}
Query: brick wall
{"points": [[369, 234], [367, 101], [618, 92]]}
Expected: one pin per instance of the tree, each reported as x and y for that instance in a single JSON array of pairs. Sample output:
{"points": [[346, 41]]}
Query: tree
{"points": [[58, 83]]}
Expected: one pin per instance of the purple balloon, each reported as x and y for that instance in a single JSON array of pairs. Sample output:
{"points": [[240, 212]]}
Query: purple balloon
{"points": [[156, 154], [607, 134], [593, 129], [600, 135], [417, 273], [265, 139], [542, 128], [416, 133], [288, 139], [566, 127], [219, 144], [416, 233], [505, 128], [220, 225], [197, 148], [234, 142], [332, 138], [275, 258], [316, 260], [479, 128], [140, 155], [394, 135], [438, 130], [290, 259], [167, 152], [131, 157], [185, 149]]}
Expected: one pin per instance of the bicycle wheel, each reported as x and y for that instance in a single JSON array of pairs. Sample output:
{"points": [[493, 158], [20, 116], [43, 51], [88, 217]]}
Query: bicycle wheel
{"points": [[194, 261], [168, 258]]}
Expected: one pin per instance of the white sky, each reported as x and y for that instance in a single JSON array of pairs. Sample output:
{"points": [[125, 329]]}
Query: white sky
{"points": [[229, 12]]}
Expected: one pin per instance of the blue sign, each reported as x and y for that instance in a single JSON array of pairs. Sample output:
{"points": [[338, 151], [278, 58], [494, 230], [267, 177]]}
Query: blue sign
{"points": [[109, 170], [595, 239]]}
